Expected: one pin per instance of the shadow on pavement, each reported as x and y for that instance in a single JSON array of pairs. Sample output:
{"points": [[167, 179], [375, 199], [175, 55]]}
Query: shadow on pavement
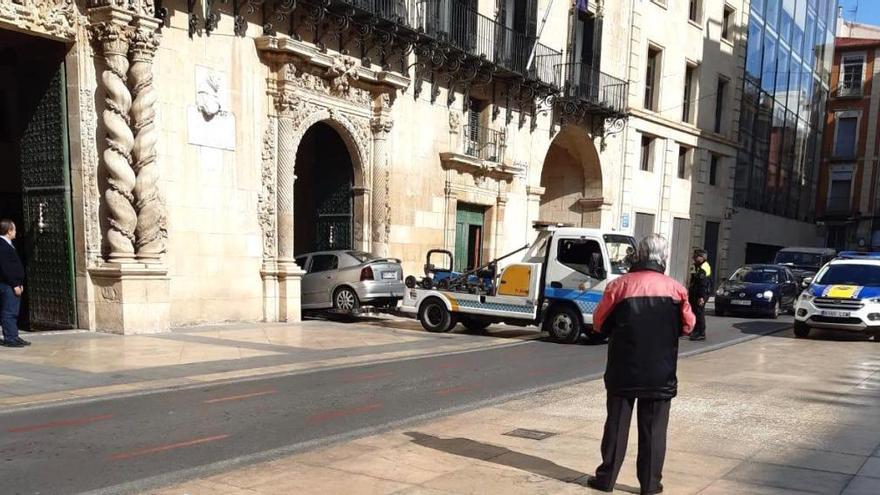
{"points": [[503, 456], [769, 328]]}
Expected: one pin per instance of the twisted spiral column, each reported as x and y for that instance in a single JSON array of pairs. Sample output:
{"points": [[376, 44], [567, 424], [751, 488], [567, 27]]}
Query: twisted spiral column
{"points": [[118, 195], [151, 232], [286, 177], [381, 209]]}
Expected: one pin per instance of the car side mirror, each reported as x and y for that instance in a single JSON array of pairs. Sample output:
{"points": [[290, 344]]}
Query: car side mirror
{"points": [[806, 282]]}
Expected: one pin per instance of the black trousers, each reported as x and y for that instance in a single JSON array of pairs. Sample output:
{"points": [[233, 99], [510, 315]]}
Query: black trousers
{"points": [[700, 313], [653, 419]]}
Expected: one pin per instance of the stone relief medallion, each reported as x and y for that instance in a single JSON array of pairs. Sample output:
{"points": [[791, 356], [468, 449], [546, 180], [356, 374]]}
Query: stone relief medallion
{"points": [[210, 122]]}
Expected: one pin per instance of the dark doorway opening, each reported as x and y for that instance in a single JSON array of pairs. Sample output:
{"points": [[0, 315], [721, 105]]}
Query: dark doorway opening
{"points": [[713, 230], [322, 193], [35, 175]]}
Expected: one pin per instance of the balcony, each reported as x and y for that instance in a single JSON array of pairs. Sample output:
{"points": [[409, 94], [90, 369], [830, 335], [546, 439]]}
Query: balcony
{"points": [[849, 90], [459, 26], [483, 143], [591, 90]]}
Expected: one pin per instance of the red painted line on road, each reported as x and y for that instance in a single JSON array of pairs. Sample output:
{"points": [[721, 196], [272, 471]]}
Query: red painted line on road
{"points": [[60, 424], [365, 377], [456, 390], [164, 448], [240, 397], [341, 413]]}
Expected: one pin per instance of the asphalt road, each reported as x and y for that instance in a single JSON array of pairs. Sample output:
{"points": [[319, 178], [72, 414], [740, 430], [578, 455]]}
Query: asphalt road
{"points": [[128, 444]]}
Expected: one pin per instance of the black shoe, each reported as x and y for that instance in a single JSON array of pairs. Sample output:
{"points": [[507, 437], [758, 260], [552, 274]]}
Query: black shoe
{"points": [[22, 341], [698, 337], [653, 492], [12, 344], [593, 483]]}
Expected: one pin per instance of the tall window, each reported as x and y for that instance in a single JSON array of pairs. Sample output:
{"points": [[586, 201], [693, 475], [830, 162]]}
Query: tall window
{"points": [[652, 79], [647, 158], [851, 75], [694, 10], [840, 189], [845, 141], [720, 95], [713, 169], [687, 101], [684, 155], [727, 24]]}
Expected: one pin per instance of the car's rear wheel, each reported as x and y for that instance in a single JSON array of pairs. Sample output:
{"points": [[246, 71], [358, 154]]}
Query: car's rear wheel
{"points": [[345, 299], [564, 325], [475, 326], [801, 330], [435, 318]]}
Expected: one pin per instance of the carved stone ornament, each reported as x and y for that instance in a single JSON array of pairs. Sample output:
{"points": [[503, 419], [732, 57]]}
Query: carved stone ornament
{"points": [[339, 86], [91, 193], [267, 196], [343, 71], [57, 18], [454, 122]]}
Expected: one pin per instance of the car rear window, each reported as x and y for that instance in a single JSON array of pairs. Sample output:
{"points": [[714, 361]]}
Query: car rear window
{"points": [[851, 274], [756, 275], [361, 256]]}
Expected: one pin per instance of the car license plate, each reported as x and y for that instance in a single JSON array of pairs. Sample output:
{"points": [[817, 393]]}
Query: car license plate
{"points": [[739, 302], [389, 276], [836, 314]]}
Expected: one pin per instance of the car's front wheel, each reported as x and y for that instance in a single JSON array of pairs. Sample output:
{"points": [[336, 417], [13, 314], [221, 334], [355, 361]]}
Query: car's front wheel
{"points": [[345, 299], [435, 318], [774, 311], [801, 330]]}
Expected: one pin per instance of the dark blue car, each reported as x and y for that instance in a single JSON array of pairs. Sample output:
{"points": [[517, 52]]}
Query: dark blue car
{"points": [[763, 289]]}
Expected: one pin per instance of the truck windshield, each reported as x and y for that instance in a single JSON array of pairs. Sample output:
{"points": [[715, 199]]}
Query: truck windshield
{"points": [[851, 274], [806, 260], [621, 251]]}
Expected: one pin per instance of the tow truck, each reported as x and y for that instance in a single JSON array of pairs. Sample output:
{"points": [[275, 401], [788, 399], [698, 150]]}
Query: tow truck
{"points": [[556, 285]]}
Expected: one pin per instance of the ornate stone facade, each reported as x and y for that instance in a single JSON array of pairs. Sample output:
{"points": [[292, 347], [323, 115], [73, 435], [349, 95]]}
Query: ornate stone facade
{"points": [[55, 18]]}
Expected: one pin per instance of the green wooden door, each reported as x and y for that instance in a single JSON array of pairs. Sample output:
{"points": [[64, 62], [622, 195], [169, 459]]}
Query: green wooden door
{"points": [[45, 175], [468, 236]]}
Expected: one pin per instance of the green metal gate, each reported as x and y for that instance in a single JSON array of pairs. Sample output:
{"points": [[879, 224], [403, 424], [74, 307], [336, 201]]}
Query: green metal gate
{"points": [[45, 172], [468, 236]]}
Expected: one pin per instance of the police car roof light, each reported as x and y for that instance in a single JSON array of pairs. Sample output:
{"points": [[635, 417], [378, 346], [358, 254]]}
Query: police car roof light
{"points": [[858, 255]]}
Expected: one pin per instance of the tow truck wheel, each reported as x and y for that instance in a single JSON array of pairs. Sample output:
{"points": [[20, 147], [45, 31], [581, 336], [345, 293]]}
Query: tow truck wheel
{"points": [[435, 318], [564, 325], [801, 330]]}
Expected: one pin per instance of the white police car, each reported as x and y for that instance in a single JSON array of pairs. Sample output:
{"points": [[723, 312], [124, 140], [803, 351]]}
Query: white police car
{"points": [[844, 295]]}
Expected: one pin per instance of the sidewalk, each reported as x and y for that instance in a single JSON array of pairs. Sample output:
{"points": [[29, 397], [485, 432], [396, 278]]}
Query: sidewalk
{"points": [[64, 366], [770, 416]]}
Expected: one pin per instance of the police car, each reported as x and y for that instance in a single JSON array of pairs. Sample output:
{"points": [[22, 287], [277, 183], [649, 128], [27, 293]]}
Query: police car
{"points": [[844, 295]]}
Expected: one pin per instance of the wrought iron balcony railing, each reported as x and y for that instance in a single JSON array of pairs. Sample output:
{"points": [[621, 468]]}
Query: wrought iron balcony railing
{"points": [[483, 143], [397, 11], [604, 94], [453, 22], [848, 90]]}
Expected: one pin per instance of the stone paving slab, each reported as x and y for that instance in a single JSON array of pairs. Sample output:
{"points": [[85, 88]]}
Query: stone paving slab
{"points": [[747, 421]]}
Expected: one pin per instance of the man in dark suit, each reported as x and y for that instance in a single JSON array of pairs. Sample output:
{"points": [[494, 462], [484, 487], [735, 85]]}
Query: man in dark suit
{"points": [[11, 286]]}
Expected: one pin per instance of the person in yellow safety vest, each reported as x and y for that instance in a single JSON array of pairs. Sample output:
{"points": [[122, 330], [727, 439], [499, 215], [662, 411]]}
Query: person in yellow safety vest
{"points": [[699, 291]]}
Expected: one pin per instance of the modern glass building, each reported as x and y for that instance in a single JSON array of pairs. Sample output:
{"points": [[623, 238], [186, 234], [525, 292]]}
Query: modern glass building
{"points": [[788, 66]]}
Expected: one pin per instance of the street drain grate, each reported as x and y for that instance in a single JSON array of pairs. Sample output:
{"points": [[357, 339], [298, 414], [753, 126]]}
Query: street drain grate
{"points": [[530, 434]]}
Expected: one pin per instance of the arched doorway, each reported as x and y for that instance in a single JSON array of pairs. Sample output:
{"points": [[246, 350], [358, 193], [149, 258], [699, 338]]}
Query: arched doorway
{"points": [[572, 181], [323, 192]]}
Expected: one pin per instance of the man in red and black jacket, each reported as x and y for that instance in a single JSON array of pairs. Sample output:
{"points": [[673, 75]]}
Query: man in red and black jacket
{"points": [[643, 313]]}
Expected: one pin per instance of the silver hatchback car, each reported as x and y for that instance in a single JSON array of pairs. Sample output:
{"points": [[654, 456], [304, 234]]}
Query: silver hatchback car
{"points": [[345, 280]]}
